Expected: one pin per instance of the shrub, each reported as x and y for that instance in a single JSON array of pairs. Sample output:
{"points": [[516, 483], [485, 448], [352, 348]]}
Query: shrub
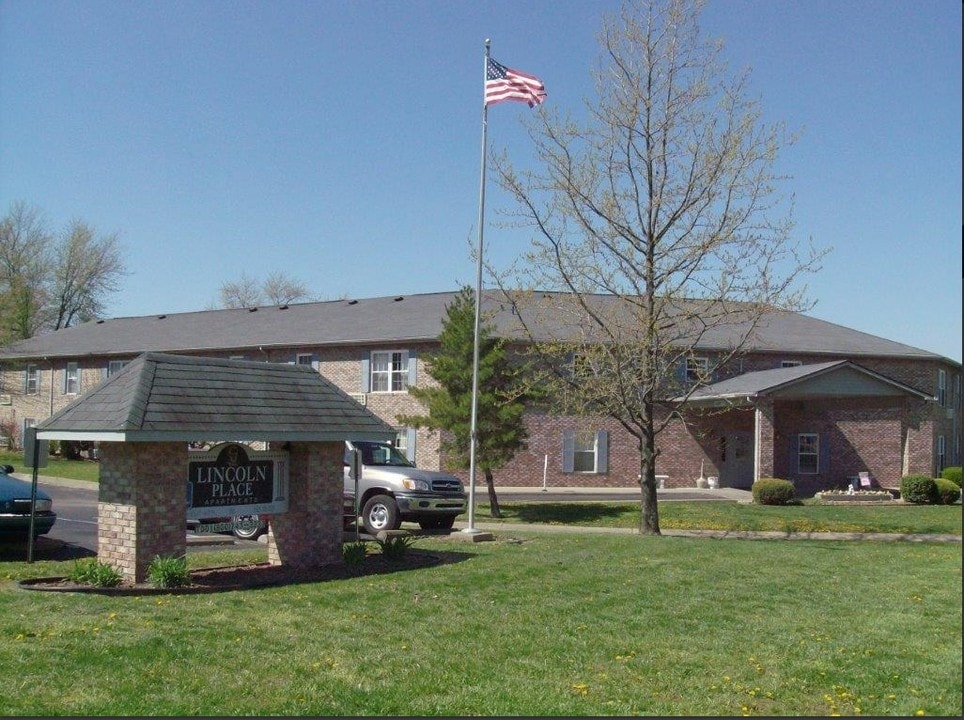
{"points": [[772, 491], [169, 572], [953, 474], [919, 489], [353, 554], [947, 491], [394, 547], [92, 572]]}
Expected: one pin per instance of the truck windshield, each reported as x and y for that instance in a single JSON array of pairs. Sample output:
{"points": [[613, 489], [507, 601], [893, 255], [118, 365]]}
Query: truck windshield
{"points": [[374, 454]]}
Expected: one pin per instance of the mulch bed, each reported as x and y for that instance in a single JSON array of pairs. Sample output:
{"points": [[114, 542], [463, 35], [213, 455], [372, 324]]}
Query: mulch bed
{"points": [[245, 577]]}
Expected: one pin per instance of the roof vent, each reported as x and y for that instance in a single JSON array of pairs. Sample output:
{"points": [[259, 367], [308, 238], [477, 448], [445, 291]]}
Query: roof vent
{"points": [[100, 322], [252, 309], [161, 317], [399, 298], [282, 307], [352, 302]]}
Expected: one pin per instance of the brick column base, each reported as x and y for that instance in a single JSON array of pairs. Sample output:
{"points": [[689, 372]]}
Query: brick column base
{"points": [[309, 534]]}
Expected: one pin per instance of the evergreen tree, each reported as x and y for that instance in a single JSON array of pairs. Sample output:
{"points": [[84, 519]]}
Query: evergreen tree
{"points": [[502, 395]]}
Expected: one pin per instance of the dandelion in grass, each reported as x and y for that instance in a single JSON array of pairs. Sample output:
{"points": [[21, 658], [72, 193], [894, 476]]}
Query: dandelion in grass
{"points": [[580, 688]]}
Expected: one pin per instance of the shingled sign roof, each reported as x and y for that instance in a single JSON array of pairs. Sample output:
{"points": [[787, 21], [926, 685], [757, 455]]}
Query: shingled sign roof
{"points": [[160, 397]]}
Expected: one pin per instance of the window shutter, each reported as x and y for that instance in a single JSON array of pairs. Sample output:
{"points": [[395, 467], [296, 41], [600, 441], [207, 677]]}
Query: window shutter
{"points": [[65, 382], [602, 451], [411, 367], [793, 459], [681, 372], [568, 450], [103, 372], [315, 363], [410, 444], [824, 453], [366, 374], [26, 378]]}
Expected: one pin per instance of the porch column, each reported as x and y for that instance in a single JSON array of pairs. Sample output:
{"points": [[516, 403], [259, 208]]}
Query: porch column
{"points": [[763, 434], [309, 534], [140, 508]]}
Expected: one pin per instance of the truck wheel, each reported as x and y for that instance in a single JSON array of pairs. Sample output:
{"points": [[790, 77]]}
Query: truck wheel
{"points": [[251, 528], [380, 513], [442, 522]]}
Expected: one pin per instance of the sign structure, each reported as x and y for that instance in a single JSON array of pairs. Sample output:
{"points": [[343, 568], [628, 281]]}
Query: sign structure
{"points": [[232, 479]]}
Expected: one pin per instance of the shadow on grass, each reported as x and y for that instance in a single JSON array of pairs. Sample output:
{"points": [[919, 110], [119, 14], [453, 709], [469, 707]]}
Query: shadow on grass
{"points": [[261, 575], [566, 513], [16, 550]]}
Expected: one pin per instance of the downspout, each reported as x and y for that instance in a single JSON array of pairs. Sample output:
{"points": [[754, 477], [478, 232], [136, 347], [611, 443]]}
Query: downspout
{"points": [[51, 408]]}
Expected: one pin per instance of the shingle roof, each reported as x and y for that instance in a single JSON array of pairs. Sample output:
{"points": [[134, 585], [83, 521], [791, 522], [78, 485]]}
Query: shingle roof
{"points": [[171, 397], [842, 373], [390, 320]]}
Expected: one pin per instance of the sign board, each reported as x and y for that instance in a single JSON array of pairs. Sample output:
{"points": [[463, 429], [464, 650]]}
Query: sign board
{"points": [[34, 450], [232, 479]]}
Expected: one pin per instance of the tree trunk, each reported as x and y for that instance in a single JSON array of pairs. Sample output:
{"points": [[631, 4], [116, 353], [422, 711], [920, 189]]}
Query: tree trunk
{"points": [[493, 498], [649, 513]]}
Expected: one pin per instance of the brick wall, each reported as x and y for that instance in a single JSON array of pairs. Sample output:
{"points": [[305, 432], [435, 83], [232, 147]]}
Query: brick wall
{"points": [[310, 533]]}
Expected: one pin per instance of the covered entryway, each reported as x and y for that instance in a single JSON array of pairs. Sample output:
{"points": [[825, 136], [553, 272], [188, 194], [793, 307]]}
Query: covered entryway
{"points": [[815, 425], [144, 416]]}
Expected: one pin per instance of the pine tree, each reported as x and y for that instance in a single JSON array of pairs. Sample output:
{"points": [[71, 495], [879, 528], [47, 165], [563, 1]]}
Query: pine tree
{"points": [[502, 395]]}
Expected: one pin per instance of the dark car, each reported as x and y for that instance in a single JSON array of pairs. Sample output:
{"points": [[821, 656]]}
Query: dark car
{"points": [[15, 507]]}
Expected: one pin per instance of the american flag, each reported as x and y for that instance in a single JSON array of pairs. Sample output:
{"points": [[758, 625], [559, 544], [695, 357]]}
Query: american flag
{"points": [[502, 83]]}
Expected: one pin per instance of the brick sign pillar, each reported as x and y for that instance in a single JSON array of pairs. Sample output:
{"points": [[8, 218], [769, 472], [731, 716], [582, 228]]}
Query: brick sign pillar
{"points": [[309, 534], [140, 509]]}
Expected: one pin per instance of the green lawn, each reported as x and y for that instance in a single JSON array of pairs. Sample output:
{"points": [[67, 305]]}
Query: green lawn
{"points": [[725, 515], [559, 624], [56, 467]]}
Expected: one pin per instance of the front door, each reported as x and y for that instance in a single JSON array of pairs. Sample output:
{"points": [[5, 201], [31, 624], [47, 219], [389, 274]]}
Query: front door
{"points": [[736, 455]]}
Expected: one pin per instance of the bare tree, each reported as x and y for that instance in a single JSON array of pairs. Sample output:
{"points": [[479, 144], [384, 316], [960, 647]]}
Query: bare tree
{"points": [[25, 261], [86, 270], [280, 289], [245, 292], [658, 220]]}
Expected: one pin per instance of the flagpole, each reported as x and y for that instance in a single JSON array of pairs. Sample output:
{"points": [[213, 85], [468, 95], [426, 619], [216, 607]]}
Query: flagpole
{"points": [[473, 440]]}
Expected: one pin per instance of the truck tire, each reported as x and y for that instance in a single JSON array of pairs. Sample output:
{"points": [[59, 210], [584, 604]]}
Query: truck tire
{"points": [[441, 522], [380, 513], [253, 529]]}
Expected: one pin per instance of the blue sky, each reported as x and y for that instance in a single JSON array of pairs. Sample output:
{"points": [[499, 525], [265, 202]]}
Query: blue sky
{"points": [[339, 142]]}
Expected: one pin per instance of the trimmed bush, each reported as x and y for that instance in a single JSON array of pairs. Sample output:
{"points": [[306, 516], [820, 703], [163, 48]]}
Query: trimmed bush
{"points": [[919, 489], [953, 474], [947, 491], [772, 491]]}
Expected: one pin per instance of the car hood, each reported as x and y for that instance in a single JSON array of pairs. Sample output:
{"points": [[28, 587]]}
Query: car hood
{"points": [[12, 488]]}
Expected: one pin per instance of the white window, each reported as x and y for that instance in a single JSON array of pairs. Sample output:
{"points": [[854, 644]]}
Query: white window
{"points": [[303, 359], [941, 387], [696, 368], [31, 380], [585, 451], [72, 379], [115, 366], [808, 453], [389, 371]]}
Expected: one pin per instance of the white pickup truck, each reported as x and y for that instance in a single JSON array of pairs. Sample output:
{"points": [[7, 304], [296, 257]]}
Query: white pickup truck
{"points": [[391, 489]]}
